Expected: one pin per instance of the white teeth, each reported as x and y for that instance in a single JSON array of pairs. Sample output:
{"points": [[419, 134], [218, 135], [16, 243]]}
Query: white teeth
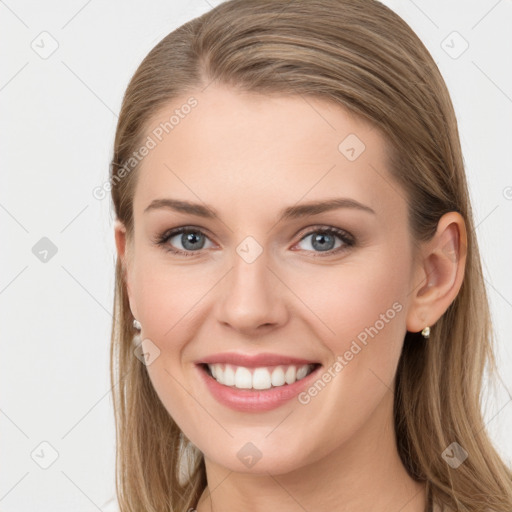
{"points": [[278, 376], [261, 379], [302, 372], [243, 378], [290, 375], [258, 378], [229, 376]]}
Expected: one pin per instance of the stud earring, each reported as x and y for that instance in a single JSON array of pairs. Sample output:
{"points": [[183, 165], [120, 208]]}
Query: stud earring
{"points": [[426, 332], [136, 340]]}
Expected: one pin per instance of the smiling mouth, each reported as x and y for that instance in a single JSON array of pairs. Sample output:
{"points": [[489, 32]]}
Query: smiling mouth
{"points": [[261, 378]]}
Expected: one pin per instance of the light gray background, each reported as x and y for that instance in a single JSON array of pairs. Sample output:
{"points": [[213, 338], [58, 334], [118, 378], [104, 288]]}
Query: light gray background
{"points": [[57, 126]]}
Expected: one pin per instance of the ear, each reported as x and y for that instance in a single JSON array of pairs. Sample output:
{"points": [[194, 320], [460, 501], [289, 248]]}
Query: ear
{"points": [[120, 237], [124, 255], [439, 273]]}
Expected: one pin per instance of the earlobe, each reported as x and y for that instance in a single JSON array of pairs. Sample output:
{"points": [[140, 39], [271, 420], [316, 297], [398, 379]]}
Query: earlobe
{"points": [[439, 274]]}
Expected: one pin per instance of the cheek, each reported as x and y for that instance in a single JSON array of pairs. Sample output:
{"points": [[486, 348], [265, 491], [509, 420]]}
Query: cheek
{"points": [[360, 317], [359, 310], [170, 300], [168, 295]]}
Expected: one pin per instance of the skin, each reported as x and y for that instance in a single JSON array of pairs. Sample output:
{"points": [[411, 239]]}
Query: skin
{"points": [[248, 156]]}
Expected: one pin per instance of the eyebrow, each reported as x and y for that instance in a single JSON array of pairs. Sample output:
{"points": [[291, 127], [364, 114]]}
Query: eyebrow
{"points": [[291, 212]]}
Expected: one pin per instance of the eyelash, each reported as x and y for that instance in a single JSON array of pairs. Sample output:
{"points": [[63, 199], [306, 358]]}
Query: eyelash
{"points": [[345, 237]]}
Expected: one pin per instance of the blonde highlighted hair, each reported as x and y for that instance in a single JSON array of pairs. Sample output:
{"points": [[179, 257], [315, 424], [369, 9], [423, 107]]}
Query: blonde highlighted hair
{"points": [[362, 56]]}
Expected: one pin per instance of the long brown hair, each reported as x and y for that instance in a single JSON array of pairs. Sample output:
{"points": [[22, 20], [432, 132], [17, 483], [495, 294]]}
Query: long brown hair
{"points": [[361, 55]]}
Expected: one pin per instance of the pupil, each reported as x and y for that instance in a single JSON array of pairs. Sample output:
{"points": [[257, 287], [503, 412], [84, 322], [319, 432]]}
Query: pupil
{"points": [[321, 240], [189, 240]]}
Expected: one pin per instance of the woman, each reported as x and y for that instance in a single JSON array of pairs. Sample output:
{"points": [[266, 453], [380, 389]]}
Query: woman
{"points": [[300, 314]]}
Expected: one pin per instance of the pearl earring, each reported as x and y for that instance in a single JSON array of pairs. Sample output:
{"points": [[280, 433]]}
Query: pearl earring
{"points": [[426, 332], [136, 340]]}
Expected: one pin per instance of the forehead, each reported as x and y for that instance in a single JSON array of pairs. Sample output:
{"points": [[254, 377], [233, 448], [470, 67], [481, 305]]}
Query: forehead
{"points": [[252, 151]]}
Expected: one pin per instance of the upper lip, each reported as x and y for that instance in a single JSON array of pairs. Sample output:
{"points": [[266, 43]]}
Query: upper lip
{"points": [[253, 360]]}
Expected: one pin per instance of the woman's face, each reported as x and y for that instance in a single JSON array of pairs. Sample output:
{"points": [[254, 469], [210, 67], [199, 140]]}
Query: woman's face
{"points": [[254, 281]]}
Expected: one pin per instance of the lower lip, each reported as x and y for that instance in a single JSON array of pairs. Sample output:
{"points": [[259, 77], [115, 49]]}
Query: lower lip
{"points": [[248, 400]]}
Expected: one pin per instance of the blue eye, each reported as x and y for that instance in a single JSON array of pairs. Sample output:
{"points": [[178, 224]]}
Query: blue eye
{"points": [[325, 240], [193, 240]]}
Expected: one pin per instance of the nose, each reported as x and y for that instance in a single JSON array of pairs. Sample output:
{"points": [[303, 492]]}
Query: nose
{"points": [[252, 298]]}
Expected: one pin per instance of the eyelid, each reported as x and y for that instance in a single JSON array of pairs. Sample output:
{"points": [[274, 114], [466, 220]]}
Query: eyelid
{"points": [[324, 227]]}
